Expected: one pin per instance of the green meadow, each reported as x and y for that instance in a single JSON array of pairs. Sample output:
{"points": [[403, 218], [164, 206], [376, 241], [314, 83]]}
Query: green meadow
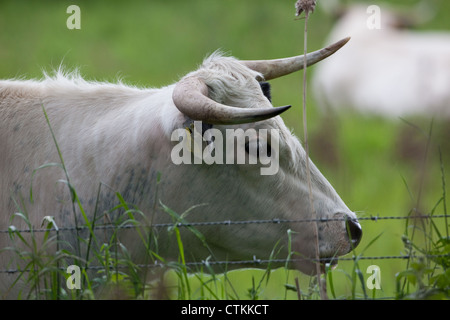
{"points": [[380, 168]]}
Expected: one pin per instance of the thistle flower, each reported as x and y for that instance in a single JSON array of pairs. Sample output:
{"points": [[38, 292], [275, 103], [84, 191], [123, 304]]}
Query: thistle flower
{"points": [[304, 5]]}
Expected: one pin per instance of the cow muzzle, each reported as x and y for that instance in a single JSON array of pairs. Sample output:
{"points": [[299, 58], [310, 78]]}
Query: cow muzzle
{"points": [[354, 232], [337, 236], [340, 244]]}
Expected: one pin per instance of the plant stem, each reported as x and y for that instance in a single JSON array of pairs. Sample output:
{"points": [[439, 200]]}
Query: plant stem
{"points": [[322, 284]]}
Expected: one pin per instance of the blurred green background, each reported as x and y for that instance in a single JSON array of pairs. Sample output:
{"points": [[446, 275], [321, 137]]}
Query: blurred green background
{"points": [[376, 165]]}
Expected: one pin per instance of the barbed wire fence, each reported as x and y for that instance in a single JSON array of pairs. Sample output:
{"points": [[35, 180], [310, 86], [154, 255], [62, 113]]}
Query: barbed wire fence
{"points": [[230, 223]]}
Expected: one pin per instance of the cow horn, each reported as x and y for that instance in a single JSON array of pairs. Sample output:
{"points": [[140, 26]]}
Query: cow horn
{"points": [[190, 96], [272, 69]]}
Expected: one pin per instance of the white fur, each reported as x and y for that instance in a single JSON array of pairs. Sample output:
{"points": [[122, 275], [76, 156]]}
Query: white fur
{"points": [[119, 136]]}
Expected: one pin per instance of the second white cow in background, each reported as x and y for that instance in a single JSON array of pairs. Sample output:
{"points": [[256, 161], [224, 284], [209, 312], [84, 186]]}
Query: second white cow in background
{"points": [[385, 70]]}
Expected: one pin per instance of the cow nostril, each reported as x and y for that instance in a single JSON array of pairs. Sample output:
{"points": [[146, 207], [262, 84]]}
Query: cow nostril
{"points": [[354, 231]]}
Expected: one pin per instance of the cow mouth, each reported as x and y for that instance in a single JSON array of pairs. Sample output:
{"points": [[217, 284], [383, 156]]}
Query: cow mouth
{"points": [[328, 263]]}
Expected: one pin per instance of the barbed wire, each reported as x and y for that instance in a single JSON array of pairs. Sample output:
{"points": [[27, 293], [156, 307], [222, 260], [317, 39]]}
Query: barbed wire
{"points": [[253, 262], [223, 223]]}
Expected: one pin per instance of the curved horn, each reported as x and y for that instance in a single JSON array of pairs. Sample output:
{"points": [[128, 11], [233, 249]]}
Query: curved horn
{"points": [[272, 69], [190, 96]]}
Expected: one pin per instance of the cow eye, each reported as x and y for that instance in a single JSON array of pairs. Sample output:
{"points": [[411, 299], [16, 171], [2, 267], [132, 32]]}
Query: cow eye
{"points": [[265, 87], [257, 147]]}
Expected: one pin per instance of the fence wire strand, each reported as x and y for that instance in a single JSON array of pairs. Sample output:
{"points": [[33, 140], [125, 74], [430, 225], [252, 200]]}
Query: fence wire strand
{"points": [[254, 262], [224, 223]]}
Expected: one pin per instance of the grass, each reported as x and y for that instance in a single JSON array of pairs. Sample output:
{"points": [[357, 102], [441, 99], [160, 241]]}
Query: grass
{"points": [[378, 166], [426, 275]]}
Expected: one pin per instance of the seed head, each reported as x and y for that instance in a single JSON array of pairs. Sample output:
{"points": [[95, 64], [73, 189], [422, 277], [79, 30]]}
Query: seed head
{"points": [[304, 5]]}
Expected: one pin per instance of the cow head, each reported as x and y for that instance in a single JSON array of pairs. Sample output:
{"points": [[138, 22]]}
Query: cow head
{"points": [[226, 94]]}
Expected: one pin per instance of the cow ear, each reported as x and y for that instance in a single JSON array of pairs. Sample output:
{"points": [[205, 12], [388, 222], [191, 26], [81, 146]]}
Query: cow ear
{"points": [[189, 125], [265, 87]]}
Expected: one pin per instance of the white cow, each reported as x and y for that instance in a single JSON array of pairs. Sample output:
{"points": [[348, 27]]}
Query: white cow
{"points": [[121, 137], [385, 70]]}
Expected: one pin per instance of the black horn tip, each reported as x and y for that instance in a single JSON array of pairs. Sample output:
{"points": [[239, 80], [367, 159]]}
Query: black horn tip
{"points": [[283, 108]]}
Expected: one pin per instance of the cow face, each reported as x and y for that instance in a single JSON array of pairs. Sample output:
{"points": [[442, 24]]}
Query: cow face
{"points": [[316, 220]]}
